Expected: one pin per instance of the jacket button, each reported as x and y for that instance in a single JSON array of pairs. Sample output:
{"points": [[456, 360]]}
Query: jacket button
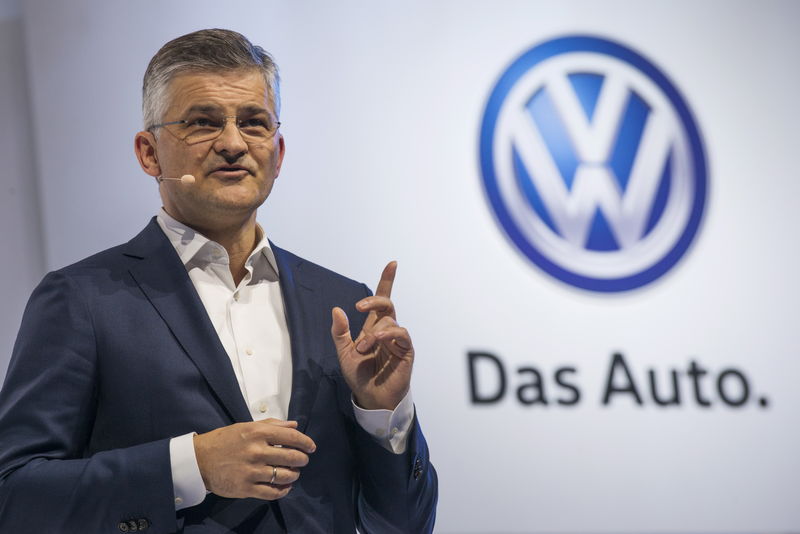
{"points": [[132, 526], [417, 468], [143, 524], [123, 526]]}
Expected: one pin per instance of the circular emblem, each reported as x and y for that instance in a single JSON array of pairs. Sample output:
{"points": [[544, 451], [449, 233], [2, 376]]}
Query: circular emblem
{"points": [[593, 164]]}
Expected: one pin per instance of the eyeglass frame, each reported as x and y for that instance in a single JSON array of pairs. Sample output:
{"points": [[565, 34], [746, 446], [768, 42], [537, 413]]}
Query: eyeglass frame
{"points": [[224, 125]]}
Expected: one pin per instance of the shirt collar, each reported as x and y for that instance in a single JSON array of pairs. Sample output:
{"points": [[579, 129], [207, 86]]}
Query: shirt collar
{"points": [[194, 246]]}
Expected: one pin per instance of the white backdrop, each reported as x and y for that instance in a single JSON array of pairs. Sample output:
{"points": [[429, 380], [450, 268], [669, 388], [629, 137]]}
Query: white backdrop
{"points": [[382, 104]]}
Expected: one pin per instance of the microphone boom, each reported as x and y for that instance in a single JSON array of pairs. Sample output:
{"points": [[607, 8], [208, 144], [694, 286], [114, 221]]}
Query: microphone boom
{"points": [[186, 179]]}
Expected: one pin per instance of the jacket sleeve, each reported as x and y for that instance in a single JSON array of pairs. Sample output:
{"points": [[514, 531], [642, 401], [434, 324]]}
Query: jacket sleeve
{"points": [[50, 480], [398, 492]]}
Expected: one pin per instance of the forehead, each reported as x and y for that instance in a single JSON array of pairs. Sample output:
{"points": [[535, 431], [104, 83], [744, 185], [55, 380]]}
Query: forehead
{"points": [[229, 91]]}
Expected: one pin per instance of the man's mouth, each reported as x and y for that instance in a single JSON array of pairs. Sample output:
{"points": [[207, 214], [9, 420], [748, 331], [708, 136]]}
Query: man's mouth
{"points": [[230, 171]]}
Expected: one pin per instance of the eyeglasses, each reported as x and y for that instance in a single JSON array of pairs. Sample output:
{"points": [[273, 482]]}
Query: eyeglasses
{"points": [[254, 130]]}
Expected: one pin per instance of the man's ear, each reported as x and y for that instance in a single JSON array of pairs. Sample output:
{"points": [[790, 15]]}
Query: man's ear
{"points": [[144, 144], [281, 151]]}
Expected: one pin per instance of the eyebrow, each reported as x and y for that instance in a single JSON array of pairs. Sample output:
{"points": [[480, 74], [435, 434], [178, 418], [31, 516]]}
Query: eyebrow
{"points": [[210, 108], [202, 108], [253, 110]]}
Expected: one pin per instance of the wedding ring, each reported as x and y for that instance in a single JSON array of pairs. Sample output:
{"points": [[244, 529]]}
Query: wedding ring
{"points": [[274, 474]]}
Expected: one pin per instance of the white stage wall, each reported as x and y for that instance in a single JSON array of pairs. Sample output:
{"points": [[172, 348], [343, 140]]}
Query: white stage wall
{"points": [[382, 112]]}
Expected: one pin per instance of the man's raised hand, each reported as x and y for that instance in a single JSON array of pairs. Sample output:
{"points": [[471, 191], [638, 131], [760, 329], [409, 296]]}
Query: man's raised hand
{"points": [[377, 364]]}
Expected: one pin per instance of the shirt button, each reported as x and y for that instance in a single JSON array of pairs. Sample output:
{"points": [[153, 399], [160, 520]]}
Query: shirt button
{"points": [[395, 430], [178, 501], [262, 407], [236, 296], [248, 351]]}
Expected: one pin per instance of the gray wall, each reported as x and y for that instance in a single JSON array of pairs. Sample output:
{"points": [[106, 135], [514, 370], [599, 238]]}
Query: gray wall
{"points": [[20, 225]]}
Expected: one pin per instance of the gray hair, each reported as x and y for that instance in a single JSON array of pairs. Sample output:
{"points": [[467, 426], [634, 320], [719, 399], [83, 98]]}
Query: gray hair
{"points": [[212, 50]]}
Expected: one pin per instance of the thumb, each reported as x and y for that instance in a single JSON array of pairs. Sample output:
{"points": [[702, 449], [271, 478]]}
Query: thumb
{"points": [[340, 330]]}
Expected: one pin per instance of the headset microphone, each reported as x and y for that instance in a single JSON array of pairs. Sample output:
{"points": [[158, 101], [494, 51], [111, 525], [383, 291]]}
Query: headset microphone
{"points": [[186, 179]]}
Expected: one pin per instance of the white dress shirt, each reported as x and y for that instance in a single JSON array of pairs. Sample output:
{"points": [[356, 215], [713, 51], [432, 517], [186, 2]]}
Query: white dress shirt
{"points": [[250, 320]]}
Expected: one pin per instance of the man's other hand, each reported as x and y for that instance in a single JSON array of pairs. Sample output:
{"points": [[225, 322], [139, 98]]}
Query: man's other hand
{"points": [[259, 459]]}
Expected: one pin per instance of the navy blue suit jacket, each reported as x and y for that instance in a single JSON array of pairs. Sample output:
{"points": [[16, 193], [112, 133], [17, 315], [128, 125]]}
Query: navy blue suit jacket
{"points": [[116, 355]]}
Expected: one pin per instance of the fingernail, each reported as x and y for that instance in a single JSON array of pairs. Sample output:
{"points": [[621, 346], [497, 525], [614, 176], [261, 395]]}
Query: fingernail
{"points": [[362, 345]]}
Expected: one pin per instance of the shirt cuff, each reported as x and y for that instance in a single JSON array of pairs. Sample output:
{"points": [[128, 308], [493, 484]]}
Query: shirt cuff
{"points": [[187, 483], [390, 428]]}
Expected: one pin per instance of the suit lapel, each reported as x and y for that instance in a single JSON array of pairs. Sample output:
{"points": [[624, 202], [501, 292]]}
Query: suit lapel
{"points": [[305, 315], [164, 280]]}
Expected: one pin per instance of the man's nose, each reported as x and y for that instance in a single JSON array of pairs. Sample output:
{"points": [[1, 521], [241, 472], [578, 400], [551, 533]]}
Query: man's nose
{"points": [[230, 140]]}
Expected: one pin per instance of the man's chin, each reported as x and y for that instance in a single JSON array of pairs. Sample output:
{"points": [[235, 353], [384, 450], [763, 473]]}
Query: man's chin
{"points": [[237, 203]]}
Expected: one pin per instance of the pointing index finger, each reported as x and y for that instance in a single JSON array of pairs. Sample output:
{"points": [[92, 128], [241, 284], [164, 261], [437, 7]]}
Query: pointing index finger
{"points": [[384, 288]]}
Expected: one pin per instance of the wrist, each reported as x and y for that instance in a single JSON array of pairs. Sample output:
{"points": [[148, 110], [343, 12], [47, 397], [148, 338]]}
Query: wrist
{"points": [[368, 402], [199, 453]]}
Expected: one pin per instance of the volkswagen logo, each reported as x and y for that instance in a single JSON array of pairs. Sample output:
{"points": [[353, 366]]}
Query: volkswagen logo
{"points": [[593, 164]]}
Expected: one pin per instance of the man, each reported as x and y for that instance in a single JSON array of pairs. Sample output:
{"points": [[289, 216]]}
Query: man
{"points": [[199, 379]]}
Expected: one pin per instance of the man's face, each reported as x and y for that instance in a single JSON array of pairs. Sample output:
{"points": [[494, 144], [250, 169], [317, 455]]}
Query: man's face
{"points": [[232, 177]]}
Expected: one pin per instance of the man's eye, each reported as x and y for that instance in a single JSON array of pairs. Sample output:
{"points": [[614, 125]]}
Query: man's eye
{"points": [[202, 122], [253, 122]]}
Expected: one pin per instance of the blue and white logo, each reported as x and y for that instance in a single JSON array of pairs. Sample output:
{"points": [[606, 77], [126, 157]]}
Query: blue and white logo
{"points": [[593, 164]]}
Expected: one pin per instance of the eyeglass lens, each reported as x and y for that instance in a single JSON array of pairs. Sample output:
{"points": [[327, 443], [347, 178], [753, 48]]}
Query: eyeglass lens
{"points": [[254, 129]]}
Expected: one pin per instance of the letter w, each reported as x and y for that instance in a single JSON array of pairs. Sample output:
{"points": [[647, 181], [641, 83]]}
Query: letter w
{"points": [[594, 186]]}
